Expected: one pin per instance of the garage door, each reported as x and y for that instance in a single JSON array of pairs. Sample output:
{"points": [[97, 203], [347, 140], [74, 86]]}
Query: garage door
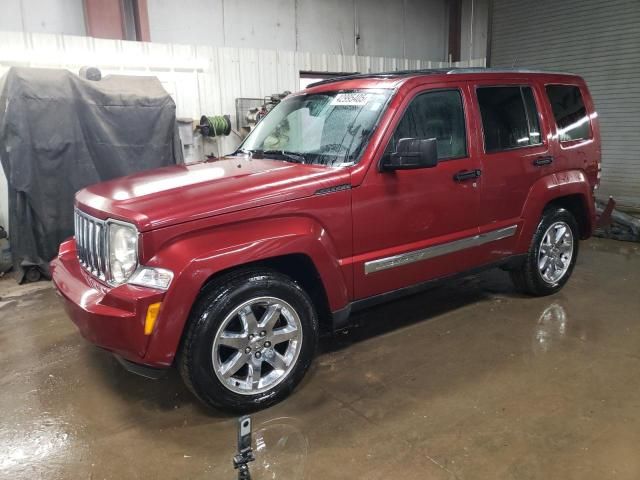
{"points": [[598, 39]]}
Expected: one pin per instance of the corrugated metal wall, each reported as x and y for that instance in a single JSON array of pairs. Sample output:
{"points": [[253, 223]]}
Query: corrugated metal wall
{"points": [[598, 39], [201, 79]]}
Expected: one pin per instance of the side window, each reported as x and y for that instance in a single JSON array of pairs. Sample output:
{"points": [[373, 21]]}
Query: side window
{"points": [[509, 118], [436, 115], [569, 112]]}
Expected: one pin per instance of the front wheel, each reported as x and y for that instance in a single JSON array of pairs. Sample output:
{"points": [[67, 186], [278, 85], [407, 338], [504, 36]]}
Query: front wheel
{"points": [[250, 340], [552, 254]]}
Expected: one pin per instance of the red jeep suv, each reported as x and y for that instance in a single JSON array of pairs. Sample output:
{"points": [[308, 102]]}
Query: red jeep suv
{"points": [[352, 192]]}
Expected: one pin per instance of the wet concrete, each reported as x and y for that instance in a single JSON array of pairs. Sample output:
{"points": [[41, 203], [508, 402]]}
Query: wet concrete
{"points": [[468, 381]]}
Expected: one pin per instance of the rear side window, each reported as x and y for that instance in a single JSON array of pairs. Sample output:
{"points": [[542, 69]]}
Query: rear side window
{"points": [[569, 112], [436, 115], [509, 117]]}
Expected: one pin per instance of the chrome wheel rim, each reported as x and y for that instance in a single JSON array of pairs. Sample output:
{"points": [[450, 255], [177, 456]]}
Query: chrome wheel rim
{"points": [[556, 252], [257, 345]]}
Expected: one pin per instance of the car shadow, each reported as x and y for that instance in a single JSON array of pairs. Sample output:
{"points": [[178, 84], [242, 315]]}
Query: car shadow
{"points": [[165, 394], [444, 297]]}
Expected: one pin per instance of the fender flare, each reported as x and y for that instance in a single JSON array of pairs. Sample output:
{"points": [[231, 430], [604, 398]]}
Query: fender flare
{"points": [[545, 190], [194, 259]]}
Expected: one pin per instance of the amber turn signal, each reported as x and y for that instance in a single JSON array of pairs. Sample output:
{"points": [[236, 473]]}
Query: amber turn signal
{"points": [[152, 314]]}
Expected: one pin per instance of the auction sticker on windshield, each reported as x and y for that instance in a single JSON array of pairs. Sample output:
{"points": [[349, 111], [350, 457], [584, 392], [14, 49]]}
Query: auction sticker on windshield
{"points": [[351, 99]]}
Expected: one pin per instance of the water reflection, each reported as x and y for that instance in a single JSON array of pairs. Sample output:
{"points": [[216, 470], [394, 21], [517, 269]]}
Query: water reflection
{"points": [[281, 450], [550, 329], [40, 444]]}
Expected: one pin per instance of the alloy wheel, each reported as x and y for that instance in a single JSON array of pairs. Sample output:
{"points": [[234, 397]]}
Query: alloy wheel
{"points": [[257, 345], [556, 252]]}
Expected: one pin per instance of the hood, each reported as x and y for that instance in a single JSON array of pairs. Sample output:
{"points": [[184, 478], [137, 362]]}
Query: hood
{"points": [[180, 193]]}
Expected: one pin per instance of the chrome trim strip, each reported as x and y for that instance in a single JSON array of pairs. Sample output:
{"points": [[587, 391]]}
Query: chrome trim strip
{"points": [[438, 250]]}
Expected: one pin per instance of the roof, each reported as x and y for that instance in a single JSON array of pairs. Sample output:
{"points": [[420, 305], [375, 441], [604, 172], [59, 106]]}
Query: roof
{"points": [[400, 74]]}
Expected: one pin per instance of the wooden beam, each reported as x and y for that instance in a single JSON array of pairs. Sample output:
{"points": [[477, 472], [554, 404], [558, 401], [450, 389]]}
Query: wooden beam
{"points": [[103, 19]]}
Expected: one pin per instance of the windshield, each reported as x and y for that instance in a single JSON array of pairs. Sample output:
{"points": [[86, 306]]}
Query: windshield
{"points": [[329, 128]]}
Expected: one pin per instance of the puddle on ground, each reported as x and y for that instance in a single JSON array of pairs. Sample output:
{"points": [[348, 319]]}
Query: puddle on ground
{"points": [[281, 449]]}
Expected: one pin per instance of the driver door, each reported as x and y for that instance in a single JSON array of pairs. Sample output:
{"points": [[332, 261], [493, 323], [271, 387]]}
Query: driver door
{"points": [[411, 226]]}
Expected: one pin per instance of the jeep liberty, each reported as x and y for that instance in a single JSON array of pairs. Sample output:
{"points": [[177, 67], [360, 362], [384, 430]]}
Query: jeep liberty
{"points": [[352, 192]]}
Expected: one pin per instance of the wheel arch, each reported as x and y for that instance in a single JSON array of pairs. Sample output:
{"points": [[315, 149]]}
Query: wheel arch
{"points": [[297, 266], [568, 189], [576, 204], [300, 249]]}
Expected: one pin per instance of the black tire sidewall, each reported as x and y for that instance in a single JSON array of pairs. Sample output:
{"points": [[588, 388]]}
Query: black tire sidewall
{"points": [[550, 217], [208, 315]]}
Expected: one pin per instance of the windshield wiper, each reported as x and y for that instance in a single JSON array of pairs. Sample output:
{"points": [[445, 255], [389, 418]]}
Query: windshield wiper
{"points": [[290, 156], [241, 150]]}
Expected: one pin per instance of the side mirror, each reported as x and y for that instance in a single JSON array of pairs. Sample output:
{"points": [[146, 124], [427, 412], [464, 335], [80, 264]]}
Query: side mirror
{"points": [[412, 153]]}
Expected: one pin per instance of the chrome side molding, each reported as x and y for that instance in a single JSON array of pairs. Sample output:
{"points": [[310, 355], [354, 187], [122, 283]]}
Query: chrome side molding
{"points": [[438, 250]]}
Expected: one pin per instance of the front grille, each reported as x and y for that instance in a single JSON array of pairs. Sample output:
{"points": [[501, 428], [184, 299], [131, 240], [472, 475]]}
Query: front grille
{"points": [[91, 243]]}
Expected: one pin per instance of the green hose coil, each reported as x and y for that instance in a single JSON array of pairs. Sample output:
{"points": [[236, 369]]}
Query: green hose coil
{"points": [[215, 126]]}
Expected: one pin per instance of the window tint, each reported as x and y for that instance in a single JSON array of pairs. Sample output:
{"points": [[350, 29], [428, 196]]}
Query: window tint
{"points": [[509, 117], [436, 115], [568, 109]]}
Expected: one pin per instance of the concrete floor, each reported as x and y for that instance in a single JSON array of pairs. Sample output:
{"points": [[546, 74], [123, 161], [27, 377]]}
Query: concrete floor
{"points": [[468, 381]]}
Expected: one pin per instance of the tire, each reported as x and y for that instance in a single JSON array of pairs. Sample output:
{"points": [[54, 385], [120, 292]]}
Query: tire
{"points": [[540, 277], [225, 352]]}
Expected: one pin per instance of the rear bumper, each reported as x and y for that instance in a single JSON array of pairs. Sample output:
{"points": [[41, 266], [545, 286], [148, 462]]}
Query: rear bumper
{"points": [[112, 318]]}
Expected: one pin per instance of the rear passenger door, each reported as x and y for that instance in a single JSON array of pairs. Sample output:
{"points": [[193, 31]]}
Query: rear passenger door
{"points": [[514, 153]]}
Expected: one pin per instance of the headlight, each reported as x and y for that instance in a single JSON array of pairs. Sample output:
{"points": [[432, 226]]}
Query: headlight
{"points": [[123, 252], [152, 277]]}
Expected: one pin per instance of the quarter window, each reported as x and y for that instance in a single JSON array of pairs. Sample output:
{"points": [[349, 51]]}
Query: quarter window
{"points": [[569, 112], [436, 115], [509, 118]]}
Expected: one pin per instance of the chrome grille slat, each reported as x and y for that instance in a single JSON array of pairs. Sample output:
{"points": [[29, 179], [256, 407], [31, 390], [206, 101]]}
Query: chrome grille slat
{"points": [[85, 253], [75, 230], [92, 250], [80, 238], [90, 235], [99, 252], [89, 247], [85, 236], [96, 241]]}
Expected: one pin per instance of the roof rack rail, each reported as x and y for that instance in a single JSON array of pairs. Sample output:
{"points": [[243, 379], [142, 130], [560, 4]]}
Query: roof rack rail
{"points": [[430, 71], [348, 77]]}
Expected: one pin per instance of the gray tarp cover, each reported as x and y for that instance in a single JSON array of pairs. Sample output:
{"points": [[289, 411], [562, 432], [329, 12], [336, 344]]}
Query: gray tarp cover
{"points": [[60, 133]]}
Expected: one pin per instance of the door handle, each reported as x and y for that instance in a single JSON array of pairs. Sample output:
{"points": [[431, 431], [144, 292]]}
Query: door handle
{"points": [[463, 175], [541, 161]]}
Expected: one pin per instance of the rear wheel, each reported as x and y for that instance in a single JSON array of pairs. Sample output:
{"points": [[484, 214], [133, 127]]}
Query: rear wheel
{"points": [[552, 254], [250, 340]]}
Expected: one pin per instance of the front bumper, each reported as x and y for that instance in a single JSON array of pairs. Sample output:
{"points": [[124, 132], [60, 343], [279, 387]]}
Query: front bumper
{"points": [[111, 317]]}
